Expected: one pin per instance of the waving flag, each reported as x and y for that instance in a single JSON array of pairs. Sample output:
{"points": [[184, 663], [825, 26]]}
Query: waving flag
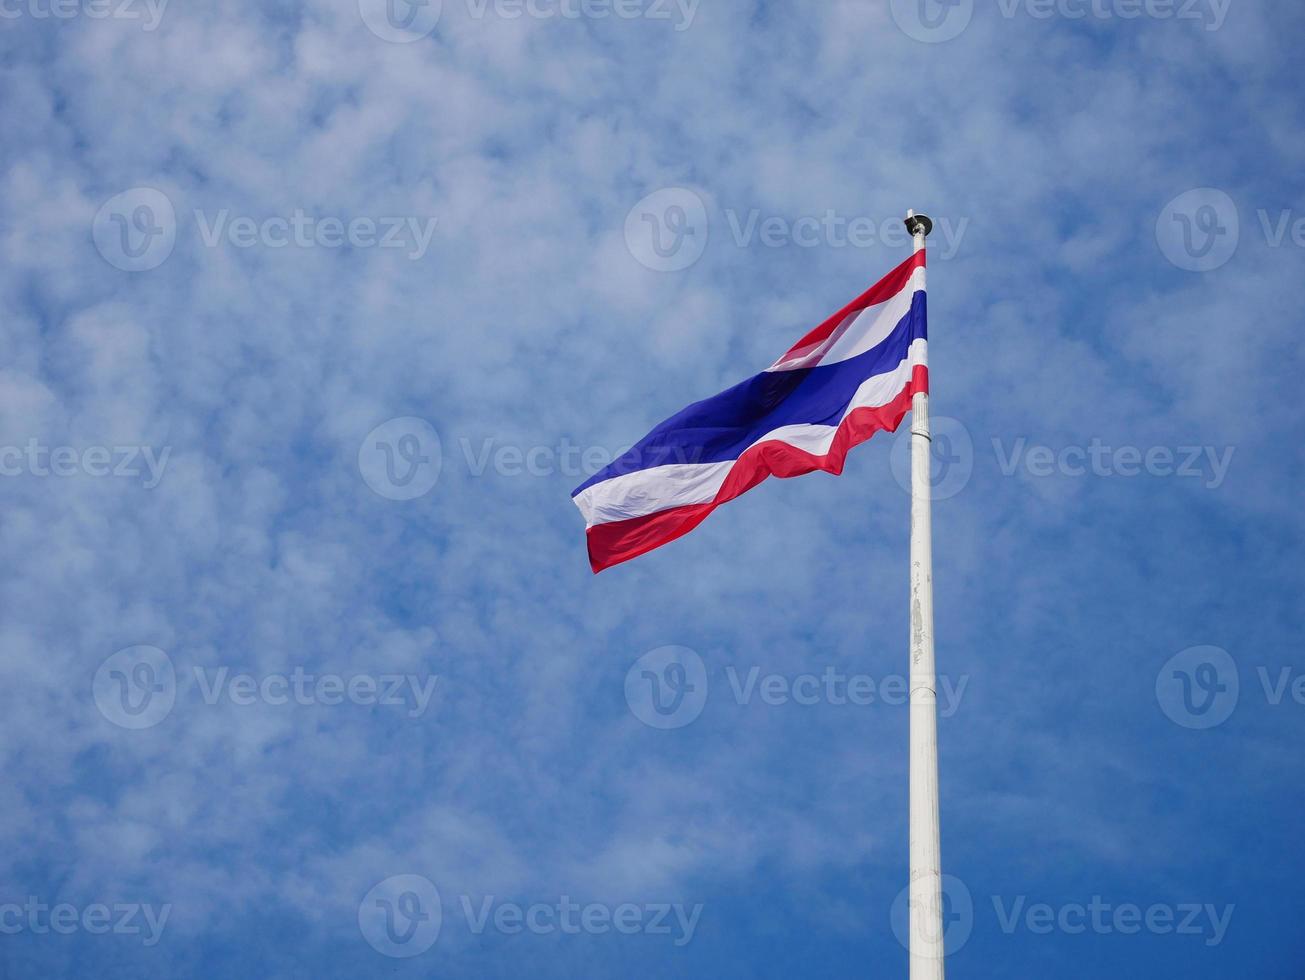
{"points": [[847, 379]]}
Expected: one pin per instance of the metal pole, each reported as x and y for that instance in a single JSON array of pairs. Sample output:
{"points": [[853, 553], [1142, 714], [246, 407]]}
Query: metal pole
{"points": [[926, 925]]}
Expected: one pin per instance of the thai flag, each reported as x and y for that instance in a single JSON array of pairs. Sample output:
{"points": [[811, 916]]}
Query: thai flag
{"points": [[847, 379]]}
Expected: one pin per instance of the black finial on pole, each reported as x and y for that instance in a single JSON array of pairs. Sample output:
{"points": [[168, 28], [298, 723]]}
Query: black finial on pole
{"points": [[918, 224]]}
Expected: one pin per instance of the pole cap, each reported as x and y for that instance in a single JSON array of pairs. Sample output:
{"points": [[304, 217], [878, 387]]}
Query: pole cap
{"points": [[918, 224]]}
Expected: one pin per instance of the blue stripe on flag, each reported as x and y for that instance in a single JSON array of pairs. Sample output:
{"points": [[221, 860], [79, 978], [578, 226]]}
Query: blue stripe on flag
{"points": [[721, 427]]}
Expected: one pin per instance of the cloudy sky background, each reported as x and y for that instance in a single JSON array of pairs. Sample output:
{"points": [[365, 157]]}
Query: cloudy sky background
{"points": [[535, 321]]}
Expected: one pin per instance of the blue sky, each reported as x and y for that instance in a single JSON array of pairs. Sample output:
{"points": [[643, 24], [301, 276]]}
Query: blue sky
{"points": [[314, 315]]}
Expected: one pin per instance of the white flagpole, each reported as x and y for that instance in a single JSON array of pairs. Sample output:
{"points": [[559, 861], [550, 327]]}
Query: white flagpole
{"points": [[926, 926]]}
